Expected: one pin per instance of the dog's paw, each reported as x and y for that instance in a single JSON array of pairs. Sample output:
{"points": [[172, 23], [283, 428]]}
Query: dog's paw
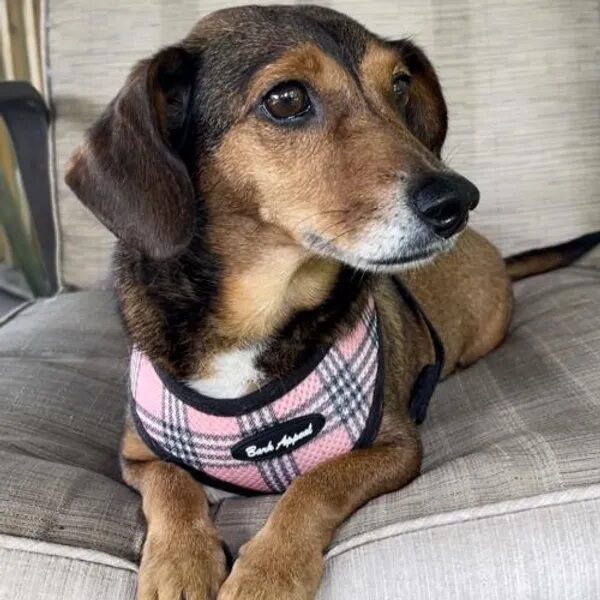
{"points": [[189, 565], [268, 570]]}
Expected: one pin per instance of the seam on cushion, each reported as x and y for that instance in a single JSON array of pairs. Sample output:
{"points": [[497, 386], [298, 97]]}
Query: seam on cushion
{"points": [[44, 23], [76, 468], [488, 511], [26, 304], [15, 311], [32, 546], [45, 35]]}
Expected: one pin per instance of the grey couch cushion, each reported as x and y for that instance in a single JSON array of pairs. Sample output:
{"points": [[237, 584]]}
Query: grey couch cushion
{"points": [[61, 409], [33, 570], [520, 426]]}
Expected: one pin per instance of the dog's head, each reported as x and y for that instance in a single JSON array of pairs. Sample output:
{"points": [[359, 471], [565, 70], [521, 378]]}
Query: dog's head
{"points": [[297, 117]]}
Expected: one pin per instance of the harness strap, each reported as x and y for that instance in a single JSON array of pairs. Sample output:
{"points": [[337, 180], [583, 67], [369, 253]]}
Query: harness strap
{"points": [[430, 375]]}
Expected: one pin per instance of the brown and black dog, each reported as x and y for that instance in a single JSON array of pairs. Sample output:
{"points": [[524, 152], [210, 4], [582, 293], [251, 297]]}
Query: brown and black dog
{"points": [[264, 176]]}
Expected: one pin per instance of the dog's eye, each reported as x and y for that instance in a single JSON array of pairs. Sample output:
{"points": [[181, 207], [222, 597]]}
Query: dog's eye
{"points": [[287, 101], [400, 84]]}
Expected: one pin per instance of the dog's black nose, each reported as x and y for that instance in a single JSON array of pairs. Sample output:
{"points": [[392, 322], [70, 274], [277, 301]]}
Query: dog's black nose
{"points": [[443, 201]]}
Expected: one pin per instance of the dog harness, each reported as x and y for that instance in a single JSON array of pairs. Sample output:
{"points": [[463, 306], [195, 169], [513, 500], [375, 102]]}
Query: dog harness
{"points": [[259, 443]]}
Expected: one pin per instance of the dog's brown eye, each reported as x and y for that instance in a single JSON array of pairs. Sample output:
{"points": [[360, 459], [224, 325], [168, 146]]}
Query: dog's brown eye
{"points": [[287, 101], [400, 84]]}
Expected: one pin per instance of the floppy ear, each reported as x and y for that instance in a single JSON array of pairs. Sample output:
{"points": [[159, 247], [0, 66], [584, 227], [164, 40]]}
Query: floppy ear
{"points": [[426, 113], [129, 172]]}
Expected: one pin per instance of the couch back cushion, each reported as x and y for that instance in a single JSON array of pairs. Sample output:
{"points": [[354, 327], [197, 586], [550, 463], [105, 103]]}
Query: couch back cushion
{"points": [[520, 76]]}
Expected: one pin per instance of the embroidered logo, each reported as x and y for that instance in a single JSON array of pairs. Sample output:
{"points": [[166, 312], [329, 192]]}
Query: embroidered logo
{"points": [[280, 439]]}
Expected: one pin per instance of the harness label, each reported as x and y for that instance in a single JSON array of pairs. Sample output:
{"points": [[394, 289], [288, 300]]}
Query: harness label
{"points": [[279, 439]]}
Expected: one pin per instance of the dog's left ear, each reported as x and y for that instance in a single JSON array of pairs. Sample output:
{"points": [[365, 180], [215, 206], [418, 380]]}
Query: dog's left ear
{"points": [[426, 113], [130, 171]]}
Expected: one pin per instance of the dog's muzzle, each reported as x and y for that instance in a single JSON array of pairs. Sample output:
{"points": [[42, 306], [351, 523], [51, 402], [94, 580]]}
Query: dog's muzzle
{"points": [[443, 201]]}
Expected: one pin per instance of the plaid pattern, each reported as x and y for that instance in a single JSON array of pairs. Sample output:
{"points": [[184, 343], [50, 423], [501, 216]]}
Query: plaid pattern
{"points": [[341, 388]]}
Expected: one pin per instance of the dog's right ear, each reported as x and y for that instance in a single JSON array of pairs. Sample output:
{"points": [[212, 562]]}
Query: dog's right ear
{"points": [[426, 112], [129, 172]]}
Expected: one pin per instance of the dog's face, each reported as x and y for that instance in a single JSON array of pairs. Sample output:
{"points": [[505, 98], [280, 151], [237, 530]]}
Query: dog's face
{"points": [[298, 118]]}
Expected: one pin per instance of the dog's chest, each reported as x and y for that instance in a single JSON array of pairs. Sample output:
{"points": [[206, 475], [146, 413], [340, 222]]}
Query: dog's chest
{"points": [[259, 440]]}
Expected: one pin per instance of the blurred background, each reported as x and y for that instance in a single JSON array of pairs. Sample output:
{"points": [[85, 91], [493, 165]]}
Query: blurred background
{"points": [[22, 273]]}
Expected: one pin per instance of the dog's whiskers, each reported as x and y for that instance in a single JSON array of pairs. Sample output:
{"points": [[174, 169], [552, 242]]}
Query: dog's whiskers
{"points": [[451, 154]]}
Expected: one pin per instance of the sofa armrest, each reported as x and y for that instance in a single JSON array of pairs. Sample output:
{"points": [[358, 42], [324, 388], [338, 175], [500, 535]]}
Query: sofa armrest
{"points": [[27, 119]]}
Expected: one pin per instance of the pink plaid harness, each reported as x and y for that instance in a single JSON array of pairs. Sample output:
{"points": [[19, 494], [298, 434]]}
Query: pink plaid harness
{"points": [[261, 442]]}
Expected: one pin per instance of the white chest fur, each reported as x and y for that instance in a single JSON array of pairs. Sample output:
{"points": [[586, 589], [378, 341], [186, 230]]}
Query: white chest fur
{"points": [[233, 375]]}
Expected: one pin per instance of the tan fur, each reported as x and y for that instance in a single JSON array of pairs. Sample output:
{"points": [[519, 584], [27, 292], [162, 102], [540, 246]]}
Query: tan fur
{"points": [[264, 290], [304, 62], [520, 267], [377, 69], [285, 559], [477, 297], [182, 553], [328, 186]]}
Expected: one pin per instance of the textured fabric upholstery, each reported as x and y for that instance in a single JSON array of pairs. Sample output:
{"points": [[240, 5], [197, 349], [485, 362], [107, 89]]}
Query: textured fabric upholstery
{"points": [[510, 486], [520, 76], [61, 411], [30, 569]]}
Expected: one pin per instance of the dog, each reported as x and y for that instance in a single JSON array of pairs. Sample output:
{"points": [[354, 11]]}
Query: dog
{"points": [[276, 186]]}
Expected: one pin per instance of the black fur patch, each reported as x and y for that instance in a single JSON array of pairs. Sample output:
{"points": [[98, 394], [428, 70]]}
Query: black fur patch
{"points": [[182, 293], [296, 341]]}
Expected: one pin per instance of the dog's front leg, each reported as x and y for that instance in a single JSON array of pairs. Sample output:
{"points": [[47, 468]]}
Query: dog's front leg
{"points": [[285, 559], [182, 558]]}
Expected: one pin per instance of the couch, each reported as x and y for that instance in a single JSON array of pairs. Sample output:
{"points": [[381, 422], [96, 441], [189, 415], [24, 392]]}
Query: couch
{"points": [[508, 504]]}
